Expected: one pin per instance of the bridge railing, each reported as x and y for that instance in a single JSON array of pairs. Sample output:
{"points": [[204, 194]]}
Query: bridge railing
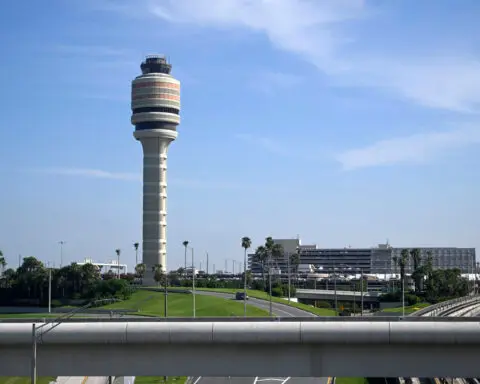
{"points": [[433, 310]]}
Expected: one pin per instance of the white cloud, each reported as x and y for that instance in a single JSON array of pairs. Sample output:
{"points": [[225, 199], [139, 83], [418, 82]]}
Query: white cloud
{"points": [[137, 177], [313, 29], [417, 148], [93, 173]]}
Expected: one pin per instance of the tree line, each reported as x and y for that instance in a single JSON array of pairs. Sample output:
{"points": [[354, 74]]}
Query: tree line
{"points": [[29, 283], [429, 285]]}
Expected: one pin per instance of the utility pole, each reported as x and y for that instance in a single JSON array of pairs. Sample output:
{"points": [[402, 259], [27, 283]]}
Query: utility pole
{"points": [[193, 283], [61, 252], [49, 290], [361, 302], [335, 288], [165, 293], [288, 276], [33, 367], [270, 280], [207, 263]]}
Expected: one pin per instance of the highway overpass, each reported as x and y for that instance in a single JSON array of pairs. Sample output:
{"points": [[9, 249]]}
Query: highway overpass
{"points": [[273, 349], [305, 295]]}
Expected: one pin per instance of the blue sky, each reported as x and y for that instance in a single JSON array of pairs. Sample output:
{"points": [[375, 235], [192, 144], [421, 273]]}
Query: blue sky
{"points": [[347, 122]]}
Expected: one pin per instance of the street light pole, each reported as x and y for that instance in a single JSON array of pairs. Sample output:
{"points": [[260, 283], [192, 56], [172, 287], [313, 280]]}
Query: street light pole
{"points": [[270, 282], [56, 322], [165, 294], [245, 282], [33, 368], [288, 275], [50, 290], [361, 302], [403, 295], [193, 283], [335, 288], [61, 252]]}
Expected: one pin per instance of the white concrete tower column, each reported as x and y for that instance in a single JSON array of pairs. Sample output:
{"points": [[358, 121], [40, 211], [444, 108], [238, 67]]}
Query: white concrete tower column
{"points": [[156, 108]]}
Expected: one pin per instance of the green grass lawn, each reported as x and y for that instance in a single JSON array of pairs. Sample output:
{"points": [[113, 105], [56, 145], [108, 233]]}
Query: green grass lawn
{"points": [[26, 316], [24, 380], [264, 296], [409, 309], [160, 380], [150, 303], [350, 380]]}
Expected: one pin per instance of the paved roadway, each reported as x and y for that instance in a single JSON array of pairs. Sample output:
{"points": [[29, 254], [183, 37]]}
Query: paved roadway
{"points": [[261, 380], [279, 310]]}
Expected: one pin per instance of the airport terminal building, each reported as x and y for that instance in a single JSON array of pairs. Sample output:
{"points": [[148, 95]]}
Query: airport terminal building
{"points": [[375, 260]]}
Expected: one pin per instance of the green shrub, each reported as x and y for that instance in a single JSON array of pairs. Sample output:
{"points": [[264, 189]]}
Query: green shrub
{"points": [[323, 304]]}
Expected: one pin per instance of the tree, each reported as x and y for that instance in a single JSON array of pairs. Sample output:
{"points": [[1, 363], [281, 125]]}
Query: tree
{"points": [[246, 244], [418, 272], [402, 263], [140, 270], [158, 274], [3, 263], [268, 253], [295, 262], [260, 257]]}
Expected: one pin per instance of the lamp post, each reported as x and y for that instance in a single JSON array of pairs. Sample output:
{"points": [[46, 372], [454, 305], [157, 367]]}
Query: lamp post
{"points": [[38, 333], [270, 283], [288, 276], [61, 252], [193, 282], [361, 301], [49, 290], [335, 287]]}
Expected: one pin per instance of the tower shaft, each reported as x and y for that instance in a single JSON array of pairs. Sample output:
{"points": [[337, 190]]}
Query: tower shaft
{"points": [[155, 200]]}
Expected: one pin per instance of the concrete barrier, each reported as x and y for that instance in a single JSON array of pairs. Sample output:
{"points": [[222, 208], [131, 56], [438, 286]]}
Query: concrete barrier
{"points": [[312, 349]]}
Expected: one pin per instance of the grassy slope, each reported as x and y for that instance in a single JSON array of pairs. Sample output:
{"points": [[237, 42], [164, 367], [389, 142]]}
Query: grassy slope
{"points": [[409, 309], [181, 305], [264, 296], [350, 380], [160, 380], [24, 380]]}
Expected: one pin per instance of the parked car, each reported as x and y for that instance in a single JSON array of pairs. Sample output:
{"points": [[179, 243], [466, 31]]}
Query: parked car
{"points": [[240, 296]]}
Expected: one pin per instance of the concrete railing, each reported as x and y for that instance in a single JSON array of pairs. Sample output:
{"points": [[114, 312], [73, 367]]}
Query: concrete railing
{"points": [[436, 309], [318, 349], [365, 332]]}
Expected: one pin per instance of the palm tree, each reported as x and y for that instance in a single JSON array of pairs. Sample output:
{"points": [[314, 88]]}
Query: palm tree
{"points": [[118, 251], [140, 270], [261, 257], [418, 272], [135, 246], [395, 265], [185, 244], [402, 262], [157, 270], [246, 244], [295, 262], [3, 263]]}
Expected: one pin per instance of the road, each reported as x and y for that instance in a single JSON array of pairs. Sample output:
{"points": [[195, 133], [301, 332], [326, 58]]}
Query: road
{"points": [[280, 310], [261, 380]]}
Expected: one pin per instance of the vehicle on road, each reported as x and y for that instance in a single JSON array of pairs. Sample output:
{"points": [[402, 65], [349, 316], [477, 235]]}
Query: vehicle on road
{"points": [[240, 296]]}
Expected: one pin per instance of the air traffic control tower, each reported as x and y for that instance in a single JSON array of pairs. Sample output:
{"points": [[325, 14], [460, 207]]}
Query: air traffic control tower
{"points": [[155, 115]]}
